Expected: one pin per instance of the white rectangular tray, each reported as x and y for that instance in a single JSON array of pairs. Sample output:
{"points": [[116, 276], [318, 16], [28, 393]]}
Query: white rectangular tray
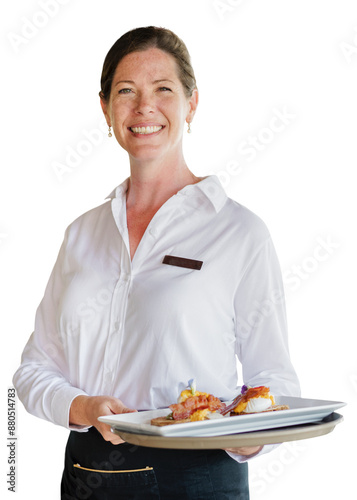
{"points": [[301, 411]]}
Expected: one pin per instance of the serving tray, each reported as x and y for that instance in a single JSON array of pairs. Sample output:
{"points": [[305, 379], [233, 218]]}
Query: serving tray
{"points": [[255, 438]]}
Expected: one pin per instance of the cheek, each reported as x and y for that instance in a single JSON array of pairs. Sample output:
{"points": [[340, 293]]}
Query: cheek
{"points": [[176, 114], [119, 117]]}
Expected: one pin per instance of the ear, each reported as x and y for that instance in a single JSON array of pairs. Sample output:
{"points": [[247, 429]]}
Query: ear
{"points": [[105, 107], [192, 103]]}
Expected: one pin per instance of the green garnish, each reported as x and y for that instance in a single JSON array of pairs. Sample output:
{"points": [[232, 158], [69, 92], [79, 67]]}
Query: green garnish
{"points": [[192, 386]]}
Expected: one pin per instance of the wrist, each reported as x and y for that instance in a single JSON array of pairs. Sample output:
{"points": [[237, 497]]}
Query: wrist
{"points": [[78, 414]]}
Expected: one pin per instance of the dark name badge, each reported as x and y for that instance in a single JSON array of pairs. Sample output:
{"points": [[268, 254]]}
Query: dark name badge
{"points": [[181, 262]]}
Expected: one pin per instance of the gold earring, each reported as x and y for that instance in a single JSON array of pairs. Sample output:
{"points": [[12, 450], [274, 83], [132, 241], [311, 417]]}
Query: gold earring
{"points": [[110, 132], [189, 128]]}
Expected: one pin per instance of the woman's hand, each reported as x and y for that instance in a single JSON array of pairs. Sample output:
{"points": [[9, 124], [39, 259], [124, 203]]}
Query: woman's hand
{"points": [[85, 410], [245, 450]]}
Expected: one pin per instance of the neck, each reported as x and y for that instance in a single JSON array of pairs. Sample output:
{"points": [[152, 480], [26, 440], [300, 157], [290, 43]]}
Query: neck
{"points": [[150, 186]]}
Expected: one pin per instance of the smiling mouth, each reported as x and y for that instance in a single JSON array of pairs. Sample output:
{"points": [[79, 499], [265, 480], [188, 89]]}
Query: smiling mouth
{"points": [[146, 130]]}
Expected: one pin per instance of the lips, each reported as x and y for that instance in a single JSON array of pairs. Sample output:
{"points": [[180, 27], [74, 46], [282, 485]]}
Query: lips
{"points": [[146, 130]]}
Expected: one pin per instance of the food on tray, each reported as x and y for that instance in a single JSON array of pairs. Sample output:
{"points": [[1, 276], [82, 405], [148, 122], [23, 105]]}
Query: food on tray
{"points": [[253, 400], [192, 406], [195, 406]]}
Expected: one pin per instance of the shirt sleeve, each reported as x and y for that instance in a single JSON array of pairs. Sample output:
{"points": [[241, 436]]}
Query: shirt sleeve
{"points": [[42, 380], [261, 328]]}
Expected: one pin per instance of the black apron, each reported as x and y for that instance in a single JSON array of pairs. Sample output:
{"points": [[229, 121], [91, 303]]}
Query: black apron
{"points": [[96, 469]]}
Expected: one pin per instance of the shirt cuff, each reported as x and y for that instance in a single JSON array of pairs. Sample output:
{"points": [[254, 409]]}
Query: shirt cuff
{"points": [[61, 404], [267, 448]]}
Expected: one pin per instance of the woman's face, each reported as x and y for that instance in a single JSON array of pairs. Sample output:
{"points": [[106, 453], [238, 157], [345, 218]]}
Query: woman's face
{"points": [[147, 106]]}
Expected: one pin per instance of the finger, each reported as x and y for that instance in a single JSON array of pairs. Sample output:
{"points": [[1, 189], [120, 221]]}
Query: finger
{"points": [[117, 407], [113, 439], [116, 439], [128, 410], [108, 435]]}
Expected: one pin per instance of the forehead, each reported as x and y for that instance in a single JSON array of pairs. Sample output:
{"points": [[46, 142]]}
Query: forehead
{"points": [[152, 62]]}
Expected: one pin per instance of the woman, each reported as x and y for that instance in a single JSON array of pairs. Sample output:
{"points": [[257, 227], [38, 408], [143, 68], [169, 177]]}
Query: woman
{"points": [[122, 325]]}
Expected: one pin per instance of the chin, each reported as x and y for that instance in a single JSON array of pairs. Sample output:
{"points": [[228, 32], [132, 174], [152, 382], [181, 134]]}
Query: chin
{"points": [[147, 154]]}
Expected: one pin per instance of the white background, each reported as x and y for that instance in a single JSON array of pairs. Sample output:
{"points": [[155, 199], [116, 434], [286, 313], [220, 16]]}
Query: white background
{"points": [[252, 59]]}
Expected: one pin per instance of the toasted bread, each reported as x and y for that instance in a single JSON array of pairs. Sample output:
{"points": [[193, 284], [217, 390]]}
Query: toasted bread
{"points": [[161, 421], [272, 408]]}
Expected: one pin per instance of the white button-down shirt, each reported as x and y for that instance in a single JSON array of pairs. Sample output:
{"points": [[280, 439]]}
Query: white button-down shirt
{"points": [[139, 330]]}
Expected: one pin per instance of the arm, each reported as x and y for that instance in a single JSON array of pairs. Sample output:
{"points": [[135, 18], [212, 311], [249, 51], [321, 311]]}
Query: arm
{"points": [[261, 331], [54, 357], [261, 326], [42, 380]]}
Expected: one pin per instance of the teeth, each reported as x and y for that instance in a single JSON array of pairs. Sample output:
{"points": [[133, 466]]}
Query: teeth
{"points": [[145, 130]]}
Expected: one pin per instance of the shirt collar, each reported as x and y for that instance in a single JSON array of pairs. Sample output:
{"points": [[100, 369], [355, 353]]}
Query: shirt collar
{"points": [[119, 190], [210, 186]]}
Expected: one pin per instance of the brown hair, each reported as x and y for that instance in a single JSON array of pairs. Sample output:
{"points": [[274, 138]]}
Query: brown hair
{"points": [[140, 39]]}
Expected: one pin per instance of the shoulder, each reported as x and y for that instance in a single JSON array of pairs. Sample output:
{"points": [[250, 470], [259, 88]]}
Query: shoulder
{"points": [[232, 216], [90, 222], [244, 222], [100, 216]]}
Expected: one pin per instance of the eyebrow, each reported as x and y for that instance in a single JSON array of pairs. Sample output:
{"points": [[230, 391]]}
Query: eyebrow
{"points": [[154, 82], [163, 80]]}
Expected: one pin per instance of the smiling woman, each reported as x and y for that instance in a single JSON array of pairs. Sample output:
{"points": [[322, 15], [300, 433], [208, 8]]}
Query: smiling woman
{"points": [[147, 107], [123, 323]]}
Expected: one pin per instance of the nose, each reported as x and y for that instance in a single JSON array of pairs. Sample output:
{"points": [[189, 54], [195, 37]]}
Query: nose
{"points": [[144, 103]]}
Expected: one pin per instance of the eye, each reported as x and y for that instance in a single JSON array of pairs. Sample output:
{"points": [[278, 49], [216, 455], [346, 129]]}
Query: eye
{"points": [[165, 89], [124, 91]]}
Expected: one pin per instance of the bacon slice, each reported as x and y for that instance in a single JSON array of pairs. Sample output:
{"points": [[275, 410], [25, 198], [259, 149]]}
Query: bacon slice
{"points": [[184, 410], [215, 403], [231, 407]]}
